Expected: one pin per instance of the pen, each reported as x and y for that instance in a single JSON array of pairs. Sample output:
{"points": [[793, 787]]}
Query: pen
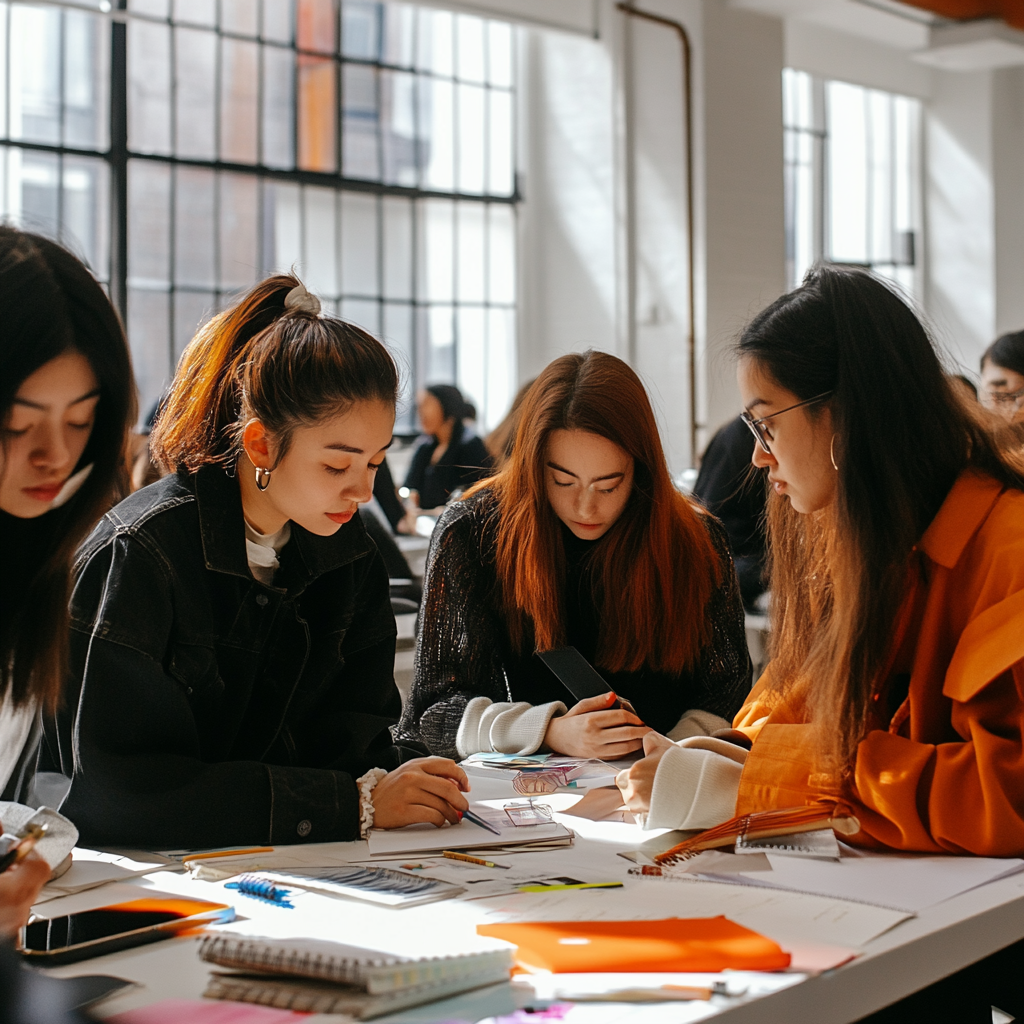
{"points": [[578, 885], [452, 855], [477, 820]]}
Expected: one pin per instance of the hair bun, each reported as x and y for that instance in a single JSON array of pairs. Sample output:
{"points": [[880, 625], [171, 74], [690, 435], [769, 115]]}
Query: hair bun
{"points": [[299, 299]]}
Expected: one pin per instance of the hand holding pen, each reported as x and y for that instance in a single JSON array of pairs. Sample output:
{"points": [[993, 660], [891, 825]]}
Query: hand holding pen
{"points": [[427, 789], [24, 875]]}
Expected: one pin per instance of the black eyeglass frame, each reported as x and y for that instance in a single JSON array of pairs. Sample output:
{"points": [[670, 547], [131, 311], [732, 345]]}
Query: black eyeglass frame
{"points": [[762, 433]]}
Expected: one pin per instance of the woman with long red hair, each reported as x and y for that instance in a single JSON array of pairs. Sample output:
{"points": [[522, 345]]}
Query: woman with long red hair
{"points": [[580, 540]]}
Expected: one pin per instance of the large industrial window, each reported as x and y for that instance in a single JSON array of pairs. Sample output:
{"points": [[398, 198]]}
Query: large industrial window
{"points": [[187, 148], [852, 174]]}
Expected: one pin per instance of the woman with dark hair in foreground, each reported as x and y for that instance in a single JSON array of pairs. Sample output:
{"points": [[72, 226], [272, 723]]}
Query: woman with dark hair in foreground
{"points": [[66, 404], [579, 540]]}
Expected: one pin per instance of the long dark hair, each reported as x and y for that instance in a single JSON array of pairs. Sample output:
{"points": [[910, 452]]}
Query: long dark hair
{"points": [[455, 408], [1006, 351], [657, 567], [902, 436], [286, 368], [51, 304]]}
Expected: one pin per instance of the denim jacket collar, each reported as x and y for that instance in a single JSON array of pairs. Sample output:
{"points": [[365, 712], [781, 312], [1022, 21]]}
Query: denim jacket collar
{"points": [[219, 500]]}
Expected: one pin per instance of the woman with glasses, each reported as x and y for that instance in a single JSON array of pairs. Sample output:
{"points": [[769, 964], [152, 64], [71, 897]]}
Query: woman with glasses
{"points": [[897, 579], [1002, 377]]}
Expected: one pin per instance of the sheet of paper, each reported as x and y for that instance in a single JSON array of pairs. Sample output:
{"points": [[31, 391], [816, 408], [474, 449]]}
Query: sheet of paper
{"points": [[601, 804], [908, 882], [92, 868]]}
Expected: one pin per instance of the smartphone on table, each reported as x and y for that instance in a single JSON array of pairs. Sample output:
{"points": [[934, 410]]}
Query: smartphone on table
{"points": [[73, 937]]}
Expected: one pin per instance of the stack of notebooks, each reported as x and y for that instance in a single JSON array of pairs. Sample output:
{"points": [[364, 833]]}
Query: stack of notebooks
{"points": [[330, 977]]}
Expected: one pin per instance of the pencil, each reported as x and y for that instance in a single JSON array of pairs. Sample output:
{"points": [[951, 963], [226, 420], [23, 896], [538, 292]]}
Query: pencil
{"points": [[454, 855]]}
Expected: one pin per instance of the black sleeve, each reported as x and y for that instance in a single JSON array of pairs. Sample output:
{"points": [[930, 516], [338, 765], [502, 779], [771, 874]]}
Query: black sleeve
{"points": [[418, 465], [458, 652], [474, 462], [128, 737], [724, 671]]}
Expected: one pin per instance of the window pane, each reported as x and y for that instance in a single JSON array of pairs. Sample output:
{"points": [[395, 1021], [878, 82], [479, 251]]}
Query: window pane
{"points": [[359, 247], [238, 247], [149, 320], [360, 29], [158, 8], [399, 44], [397, 335], [86, 211], [398, 250], [282, 227], [499, 53], [471, 139], [847, 173], [359, 131], [434, 42], [436, 263], [239, 96], [471, 354], [315, 27], [471, 252], [86, 81], [239, 16], [879, 146], [500, 164], [363, 314], [34, 180], [501, 255], [196, 12], [501, 367], [3, 71], [35, 73], [149, 225], [278, 107], [191, 310], [195, 55], [399, 143], [436, 115], [469, 48], [149, 87], [277, 20], [320, 265], [194, 222], [437, 363], [317, 113]]}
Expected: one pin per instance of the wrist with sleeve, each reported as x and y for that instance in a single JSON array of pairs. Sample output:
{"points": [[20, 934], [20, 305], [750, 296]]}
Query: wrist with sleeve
{"points": [[696, 784], [503, 727], [696, 722]]}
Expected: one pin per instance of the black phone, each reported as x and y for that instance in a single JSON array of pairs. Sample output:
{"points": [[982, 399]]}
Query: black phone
{"points": [[74, 937], [579, 677]]}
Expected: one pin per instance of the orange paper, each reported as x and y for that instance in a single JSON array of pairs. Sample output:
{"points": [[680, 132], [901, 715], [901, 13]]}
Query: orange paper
{"points": [[672, 944]]}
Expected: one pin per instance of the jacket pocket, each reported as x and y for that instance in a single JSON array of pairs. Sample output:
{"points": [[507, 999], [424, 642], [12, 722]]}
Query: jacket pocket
{"points": [[195, 669]]}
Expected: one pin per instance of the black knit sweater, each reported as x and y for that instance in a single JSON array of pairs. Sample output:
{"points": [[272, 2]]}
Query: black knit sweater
{"points": [[464, 649]]}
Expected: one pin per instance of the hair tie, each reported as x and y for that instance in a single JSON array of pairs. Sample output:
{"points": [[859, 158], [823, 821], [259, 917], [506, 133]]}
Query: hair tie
{"points": [[301, 299]]}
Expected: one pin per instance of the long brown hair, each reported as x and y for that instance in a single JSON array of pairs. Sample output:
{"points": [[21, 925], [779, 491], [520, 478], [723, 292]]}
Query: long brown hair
{"points": [[260, 360], [839, 576], [656, 567], [51, 304]]}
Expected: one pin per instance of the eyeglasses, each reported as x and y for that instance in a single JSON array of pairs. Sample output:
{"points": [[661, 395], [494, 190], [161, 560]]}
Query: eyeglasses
{"points": [[759, 427], [1004, 398]]}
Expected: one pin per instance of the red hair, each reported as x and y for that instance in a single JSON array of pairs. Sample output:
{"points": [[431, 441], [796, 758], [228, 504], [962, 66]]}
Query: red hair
{"points": [[656, 568]]}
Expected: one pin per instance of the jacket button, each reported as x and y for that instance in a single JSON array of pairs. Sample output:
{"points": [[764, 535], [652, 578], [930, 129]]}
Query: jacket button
{"points": [[262, 600], [304, 827]]}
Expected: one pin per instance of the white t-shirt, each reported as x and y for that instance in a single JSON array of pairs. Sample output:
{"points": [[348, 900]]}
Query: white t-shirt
{"points": [[262, 549]]}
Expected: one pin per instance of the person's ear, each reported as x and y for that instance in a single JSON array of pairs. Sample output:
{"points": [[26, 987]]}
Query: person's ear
{"points": [[256, 442]]}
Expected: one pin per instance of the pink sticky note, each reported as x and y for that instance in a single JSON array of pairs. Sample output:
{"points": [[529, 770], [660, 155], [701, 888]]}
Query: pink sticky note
{"points": [[206, 1011]]}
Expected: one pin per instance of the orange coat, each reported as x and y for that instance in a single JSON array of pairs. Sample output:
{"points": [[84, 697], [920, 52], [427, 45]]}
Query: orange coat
{"points": [[948, 774]]}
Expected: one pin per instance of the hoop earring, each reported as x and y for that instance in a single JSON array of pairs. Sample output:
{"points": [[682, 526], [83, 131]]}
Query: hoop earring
{"points": [[262, 478], [831, 453]]}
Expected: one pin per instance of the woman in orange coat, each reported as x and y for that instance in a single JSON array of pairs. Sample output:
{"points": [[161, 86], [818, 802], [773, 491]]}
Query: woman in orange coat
{"points": [[896, 525]]}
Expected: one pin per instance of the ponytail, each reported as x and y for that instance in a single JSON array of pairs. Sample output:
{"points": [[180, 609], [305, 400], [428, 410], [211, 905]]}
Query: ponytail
{"points": [[259, 359]]}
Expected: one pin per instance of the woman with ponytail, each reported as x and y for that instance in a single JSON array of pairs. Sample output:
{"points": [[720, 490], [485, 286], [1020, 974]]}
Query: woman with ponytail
{"points": [[579, 540], [896, 533], [232, 644]]}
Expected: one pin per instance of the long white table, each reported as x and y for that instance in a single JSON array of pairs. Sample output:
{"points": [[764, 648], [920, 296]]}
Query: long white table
{"points": [[915, 953]]}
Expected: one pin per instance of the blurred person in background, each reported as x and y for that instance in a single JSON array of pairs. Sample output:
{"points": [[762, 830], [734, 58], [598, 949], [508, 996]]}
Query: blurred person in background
{"points": [[1002, 377]]}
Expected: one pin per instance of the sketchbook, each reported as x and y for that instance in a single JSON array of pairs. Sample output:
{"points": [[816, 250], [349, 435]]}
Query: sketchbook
{"points": [[369, 970]]}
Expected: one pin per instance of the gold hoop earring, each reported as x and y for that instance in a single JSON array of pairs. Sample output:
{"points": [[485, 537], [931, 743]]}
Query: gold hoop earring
{"points": [[832, 453], [262, 478]]}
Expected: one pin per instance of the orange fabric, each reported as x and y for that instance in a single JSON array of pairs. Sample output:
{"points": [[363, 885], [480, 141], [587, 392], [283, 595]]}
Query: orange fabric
{"points": [[673, 944], [1011, 11], [948, 774]]}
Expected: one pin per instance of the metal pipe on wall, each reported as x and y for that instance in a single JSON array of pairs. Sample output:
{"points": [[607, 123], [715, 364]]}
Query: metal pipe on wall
{"points": [[691, 343]]}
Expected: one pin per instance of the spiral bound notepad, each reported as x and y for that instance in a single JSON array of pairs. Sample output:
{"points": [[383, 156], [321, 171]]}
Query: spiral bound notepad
{"points": [[372, 971]]}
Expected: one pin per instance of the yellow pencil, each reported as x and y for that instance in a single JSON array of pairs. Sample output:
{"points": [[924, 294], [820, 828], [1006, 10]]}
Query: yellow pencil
{"points": [[452, 855]]}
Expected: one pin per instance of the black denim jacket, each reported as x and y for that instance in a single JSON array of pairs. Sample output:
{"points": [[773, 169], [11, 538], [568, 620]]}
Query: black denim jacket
{"points": [[206, 708]]}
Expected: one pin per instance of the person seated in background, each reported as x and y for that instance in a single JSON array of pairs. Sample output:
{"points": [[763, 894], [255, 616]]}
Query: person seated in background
{"points": [[1002, 377], [449, 457], [729, 488], [896, 688], [66, 404], [579, 540], [232, 639]]}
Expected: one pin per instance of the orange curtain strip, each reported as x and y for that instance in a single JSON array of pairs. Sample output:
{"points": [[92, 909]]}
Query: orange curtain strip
{"points": [[1010, 11]]}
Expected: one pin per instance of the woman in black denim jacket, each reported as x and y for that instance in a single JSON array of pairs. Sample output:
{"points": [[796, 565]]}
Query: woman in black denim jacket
{"points": [[232, 648]]}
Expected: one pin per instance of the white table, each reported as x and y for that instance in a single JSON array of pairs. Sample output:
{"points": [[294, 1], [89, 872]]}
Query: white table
{"points": [[939, 941]]}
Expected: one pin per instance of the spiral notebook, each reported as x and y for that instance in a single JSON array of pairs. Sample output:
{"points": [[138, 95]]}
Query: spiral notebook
{"points": [[369, 970]]}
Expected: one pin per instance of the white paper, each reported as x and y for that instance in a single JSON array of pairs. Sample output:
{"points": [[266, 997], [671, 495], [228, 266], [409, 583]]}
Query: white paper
{"points": [[902, 881], [92, 868]]}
